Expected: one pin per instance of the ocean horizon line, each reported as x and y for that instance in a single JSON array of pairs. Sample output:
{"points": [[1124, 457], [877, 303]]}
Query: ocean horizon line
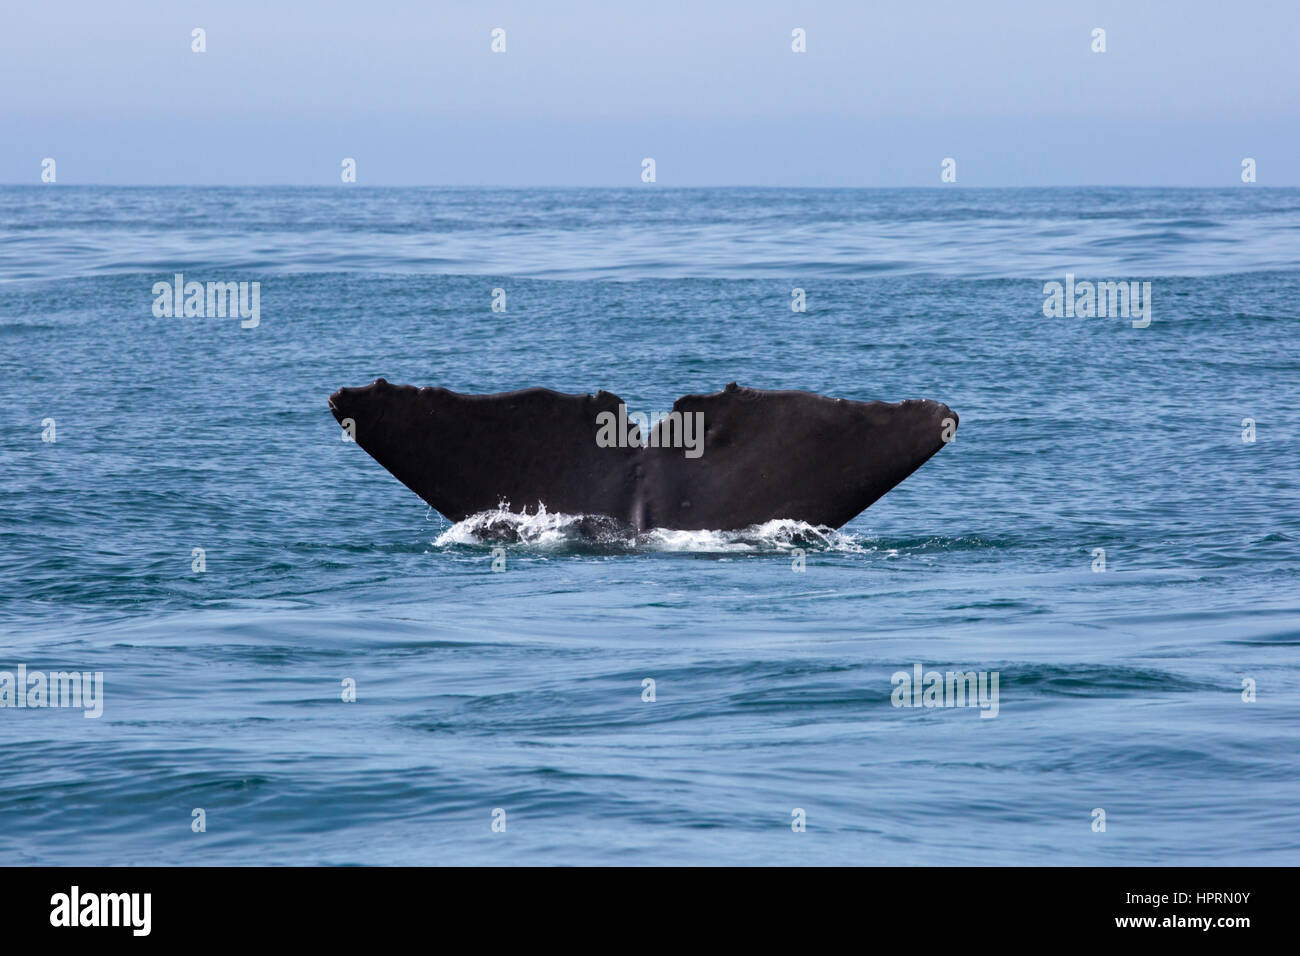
{"points": [[652, 187]]}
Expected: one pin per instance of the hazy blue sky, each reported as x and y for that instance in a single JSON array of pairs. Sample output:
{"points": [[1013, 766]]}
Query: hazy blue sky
{"points": [[712, 91]]}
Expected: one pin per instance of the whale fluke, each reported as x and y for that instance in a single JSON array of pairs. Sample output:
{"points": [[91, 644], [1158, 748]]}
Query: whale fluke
{"points": [[759, 455]]}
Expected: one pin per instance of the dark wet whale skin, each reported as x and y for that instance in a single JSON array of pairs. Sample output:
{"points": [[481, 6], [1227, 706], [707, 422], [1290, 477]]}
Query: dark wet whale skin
{"points": [[766, 454]]}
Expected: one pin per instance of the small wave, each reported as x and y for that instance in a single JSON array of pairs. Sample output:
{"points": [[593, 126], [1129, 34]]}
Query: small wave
{"points": [[545, 531], [24, 328]]}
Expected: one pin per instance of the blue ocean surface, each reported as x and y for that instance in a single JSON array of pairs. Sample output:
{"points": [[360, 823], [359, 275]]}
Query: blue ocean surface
{"points": [[1159, 696]]}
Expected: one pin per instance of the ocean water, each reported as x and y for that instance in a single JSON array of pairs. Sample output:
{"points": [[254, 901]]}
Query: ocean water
{"points": [[522, 691]]}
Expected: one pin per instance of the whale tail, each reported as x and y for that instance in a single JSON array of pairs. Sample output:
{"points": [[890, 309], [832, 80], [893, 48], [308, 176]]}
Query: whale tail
{"points": [[723, 461]]}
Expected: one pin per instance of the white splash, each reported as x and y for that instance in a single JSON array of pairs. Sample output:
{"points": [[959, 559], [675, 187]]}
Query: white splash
{"points": [[544, 530], [779, 534], [541, 529]]}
